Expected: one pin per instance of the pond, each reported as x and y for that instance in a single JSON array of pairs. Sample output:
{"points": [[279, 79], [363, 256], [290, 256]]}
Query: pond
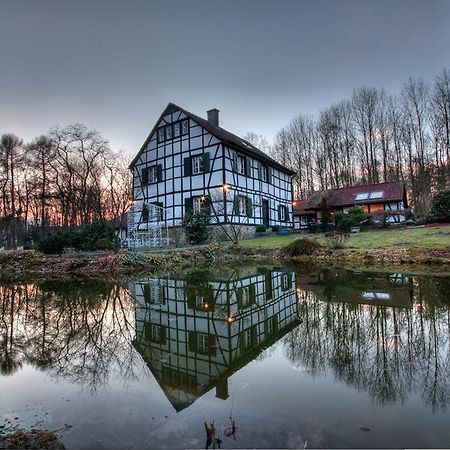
{"points": [[277, 357]]}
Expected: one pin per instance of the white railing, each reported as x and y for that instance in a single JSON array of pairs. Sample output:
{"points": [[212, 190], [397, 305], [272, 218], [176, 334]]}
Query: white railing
{"points": [[153, 231]]}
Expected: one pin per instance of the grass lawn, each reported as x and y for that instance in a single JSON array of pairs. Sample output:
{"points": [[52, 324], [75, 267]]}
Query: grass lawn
{"points": [[419, 238]]}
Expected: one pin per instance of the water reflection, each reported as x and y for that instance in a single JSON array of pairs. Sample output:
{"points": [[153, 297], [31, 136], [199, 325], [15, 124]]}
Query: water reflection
{"points": [[78, 330], [387, 335], [195, 330]]}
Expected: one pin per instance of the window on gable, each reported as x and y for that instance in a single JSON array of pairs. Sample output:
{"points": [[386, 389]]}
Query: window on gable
{"points": [[153, 174], [169, 132], [176, 129], [185, 126], [161, 135], [144, 176], [197, 164]]}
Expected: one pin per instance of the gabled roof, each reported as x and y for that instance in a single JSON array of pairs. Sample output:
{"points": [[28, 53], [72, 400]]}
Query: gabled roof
{"points": [[225, 136], [392, 191]]}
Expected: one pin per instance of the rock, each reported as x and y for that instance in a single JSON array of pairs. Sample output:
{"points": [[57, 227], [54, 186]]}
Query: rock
{"points": [[32, 440]]}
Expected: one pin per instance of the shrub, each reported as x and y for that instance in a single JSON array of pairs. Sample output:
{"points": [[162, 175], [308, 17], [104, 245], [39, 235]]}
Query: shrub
{"points": [[353, 218], [261, 228], [96, 236], [196, 227], [302, 246], [275, 228], [440, 210], [337, 239], [53, 243]]}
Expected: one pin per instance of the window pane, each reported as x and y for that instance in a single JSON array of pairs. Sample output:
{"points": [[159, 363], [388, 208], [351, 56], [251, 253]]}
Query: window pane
{"points": [[169, 132], [376, 194], [153, 174], [176, 129], [185, 126], [197, 164], [362, 196], [160, 134]]}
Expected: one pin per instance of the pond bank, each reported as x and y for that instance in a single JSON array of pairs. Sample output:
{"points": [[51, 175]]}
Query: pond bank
{"points": [[31, 264], [31, 439]]}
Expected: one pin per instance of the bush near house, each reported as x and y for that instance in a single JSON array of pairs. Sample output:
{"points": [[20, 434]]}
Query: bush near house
{"points": [[98, 235], [196, 227], [440, 210], [353, 218], [303, 246]]}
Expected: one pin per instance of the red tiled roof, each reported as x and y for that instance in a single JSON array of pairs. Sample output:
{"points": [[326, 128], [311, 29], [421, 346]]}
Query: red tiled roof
{"points": [[299, 208], [393, 191]]}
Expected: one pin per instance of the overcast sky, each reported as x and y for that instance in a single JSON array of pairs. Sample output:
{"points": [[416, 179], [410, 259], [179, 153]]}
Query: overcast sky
{"points": [[114, 65]]}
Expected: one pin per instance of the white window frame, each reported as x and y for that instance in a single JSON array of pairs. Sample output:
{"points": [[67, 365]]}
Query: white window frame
{"points": [[197, 164], [169, 132], [202, 342], [247, 337], [197, 204], [283, 213], [240, 164], [155, 331], [263, 169], [176, 129], [161, 134], [199, 301], [152, 174], [184, 126], [285, 282], [242, 206]]}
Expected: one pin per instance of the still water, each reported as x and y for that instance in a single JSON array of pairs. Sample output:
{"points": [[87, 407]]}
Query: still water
{"points": [[294, 358]]}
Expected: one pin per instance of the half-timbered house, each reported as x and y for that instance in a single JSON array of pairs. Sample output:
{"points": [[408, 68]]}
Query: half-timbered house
{"points": [[188, 163]]}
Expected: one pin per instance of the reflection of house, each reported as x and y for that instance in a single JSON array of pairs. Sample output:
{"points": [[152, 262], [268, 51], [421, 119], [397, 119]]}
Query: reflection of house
{"points": [[384, 201], [343, 286], [194, 332]]}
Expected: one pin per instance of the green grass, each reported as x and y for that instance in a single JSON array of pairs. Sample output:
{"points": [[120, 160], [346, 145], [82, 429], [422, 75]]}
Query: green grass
{"points": [[420, 238]]}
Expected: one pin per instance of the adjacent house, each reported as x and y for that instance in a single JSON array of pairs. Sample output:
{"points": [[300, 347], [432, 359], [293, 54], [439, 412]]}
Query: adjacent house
{"points": [[386, 202], [188, 163]]}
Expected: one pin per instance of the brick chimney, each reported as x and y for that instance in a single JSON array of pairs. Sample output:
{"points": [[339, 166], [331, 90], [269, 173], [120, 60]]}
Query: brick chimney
{"points": [[213, 116]]}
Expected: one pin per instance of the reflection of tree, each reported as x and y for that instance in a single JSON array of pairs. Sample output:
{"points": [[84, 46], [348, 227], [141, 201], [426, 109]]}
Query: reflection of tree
{"points": [[386, 351], [79, 330]]}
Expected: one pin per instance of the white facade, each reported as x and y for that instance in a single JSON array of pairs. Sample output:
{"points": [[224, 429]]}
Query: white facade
{"points": [[182, 161]]}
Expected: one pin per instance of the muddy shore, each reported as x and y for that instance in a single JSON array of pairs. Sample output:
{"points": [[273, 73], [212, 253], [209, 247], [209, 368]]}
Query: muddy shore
{"points": [[27, 265]]}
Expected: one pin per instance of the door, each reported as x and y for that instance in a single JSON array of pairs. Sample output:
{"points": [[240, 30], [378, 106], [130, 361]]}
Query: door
{"points": [[265, 213]]}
